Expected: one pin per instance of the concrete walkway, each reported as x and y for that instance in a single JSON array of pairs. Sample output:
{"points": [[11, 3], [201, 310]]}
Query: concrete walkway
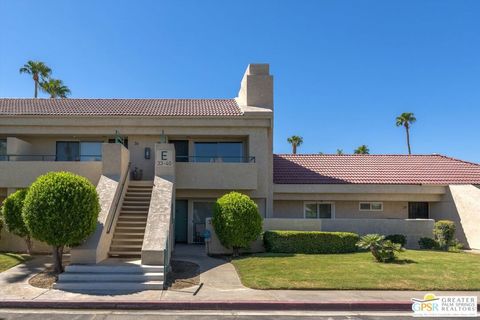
{"points": [[219, 282]]}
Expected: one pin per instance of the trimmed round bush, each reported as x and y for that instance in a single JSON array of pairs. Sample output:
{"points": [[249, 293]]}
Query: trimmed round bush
{"points": [[310, 241], [61, 209], [12, 215], [397, 238], [236, 221]]}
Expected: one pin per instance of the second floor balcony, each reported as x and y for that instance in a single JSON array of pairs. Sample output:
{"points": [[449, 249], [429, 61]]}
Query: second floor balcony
{"points": [[216, 173]]}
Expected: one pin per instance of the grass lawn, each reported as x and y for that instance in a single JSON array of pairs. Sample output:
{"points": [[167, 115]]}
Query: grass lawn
{"points": [[8, 260], [415, 270]]}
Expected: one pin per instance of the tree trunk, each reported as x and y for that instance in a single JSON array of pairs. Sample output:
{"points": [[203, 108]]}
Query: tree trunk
{"points": [[36, 88], [28, 242], [57, 253], [294, 148], [408, 141], [236, 251], [374, 252]]}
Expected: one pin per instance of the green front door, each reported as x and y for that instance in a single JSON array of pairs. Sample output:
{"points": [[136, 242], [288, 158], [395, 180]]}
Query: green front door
{"points": [[181, 219]]}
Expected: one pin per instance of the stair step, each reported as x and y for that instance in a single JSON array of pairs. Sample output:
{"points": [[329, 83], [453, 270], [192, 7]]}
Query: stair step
{"points": [[130, 234], [121, 247], [125, 253], [130, 219], [110, 286], [133, 212], [128, 222], [105, 268], [129, 228], [134, 209], [107, 277]]}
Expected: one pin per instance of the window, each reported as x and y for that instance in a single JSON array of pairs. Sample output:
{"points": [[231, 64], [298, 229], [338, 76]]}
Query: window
{"points": [[219, 151], [319, 210], [181, 150], [201, 211], [371, 206], [79, 151], [91, 151], [3, 149]]}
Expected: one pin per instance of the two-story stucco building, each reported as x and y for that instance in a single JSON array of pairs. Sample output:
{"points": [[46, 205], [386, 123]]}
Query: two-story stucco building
{"points": [[159, 165]]}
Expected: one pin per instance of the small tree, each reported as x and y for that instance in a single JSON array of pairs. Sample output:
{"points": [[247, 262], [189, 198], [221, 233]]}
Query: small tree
{"points": [[12, 214], [61, 209], [236, 221], [381, 249], [444, 232]]}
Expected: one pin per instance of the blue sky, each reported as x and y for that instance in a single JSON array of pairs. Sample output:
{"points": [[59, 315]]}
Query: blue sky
{"points": [[343, 69]]}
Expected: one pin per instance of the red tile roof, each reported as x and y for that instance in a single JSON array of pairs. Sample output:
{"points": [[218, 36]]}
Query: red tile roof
{"points": [[373, 169], [119, 107]]}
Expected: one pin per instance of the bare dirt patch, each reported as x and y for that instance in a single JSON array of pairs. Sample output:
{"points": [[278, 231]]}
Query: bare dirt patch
{"points": [[183, 274], [44, 279]]}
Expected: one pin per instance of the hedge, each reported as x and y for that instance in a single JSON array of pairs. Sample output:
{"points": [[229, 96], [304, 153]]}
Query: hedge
{"points": [[310, 241]]}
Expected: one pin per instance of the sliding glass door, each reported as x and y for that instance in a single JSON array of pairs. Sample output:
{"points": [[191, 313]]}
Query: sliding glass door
{"points": [[79, 151]]}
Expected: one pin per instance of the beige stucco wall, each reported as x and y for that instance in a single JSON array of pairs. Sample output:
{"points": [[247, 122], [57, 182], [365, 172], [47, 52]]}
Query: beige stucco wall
{"points": [[461, 204], [343, 209], [12, 243], [111, 189], [20, 174]]}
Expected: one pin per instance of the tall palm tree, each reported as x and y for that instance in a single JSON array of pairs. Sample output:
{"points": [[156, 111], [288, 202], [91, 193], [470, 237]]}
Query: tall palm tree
{"points": [[406, 119], [295, 141], [55, 88], [363, 149], [39, 72]]}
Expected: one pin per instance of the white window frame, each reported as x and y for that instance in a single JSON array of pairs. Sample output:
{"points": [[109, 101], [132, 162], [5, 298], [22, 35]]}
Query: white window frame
{"points": [[370, 203], [317, 203]]}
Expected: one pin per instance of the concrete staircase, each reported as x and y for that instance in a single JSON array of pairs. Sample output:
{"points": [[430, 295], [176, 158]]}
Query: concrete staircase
{"points": [[130, 228], [123, 271], [111, 276]]}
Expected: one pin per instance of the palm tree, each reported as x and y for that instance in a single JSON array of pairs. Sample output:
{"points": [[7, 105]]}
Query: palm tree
{"points": [[340, 152], [406, 119], [295, 141], [363, 149], [55, 88], [39, 72]]}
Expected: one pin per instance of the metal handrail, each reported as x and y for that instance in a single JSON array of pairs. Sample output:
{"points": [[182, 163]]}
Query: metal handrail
{"points": [[215, 159], [46, 157], [110, 224]]}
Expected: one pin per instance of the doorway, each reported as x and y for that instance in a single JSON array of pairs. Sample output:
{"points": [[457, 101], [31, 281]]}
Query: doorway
{"points": [[418, 210], [181, 221]]}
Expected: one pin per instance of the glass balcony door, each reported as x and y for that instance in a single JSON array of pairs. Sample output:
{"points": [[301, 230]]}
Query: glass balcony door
{"points": [[219, 152], [79, 151]]}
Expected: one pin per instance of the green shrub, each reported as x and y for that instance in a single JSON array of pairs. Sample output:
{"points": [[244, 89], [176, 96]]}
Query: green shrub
{"points": [[444, 232], [455, 246], [12, 215], [236, 221], [61, 209], [427, 243], [382, 250], [397, 238], [310, 241]]}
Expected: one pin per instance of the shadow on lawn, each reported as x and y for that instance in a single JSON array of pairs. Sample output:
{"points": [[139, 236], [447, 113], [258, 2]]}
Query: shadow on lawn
{"points": [[402, 261]]}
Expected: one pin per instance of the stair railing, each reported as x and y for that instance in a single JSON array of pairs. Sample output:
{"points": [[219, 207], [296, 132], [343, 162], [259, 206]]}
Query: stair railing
{"points": [[122, 187]]}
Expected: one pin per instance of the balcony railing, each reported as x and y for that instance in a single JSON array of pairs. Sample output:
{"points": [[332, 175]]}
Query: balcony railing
{"points": [[47, 157], [215, 159]]}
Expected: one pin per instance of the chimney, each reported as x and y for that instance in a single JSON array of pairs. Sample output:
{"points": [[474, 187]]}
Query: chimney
{"points": [[256, 89]]}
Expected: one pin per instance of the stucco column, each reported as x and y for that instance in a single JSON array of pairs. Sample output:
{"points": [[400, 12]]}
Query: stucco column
{"points": [[165, 161]]}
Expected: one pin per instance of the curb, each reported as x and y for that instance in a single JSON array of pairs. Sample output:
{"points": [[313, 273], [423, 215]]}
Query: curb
{"points": [[211, 305]]}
